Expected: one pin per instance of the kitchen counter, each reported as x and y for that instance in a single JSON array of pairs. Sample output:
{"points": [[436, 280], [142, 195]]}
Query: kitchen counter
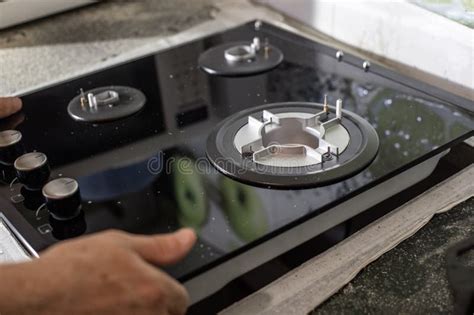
{"points": [[411, 278]]}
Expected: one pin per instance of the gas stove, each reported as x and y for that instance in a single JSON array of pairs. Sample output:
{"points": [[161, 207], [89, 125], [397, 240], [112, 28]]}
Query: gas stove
{"points": [[258, 138]]}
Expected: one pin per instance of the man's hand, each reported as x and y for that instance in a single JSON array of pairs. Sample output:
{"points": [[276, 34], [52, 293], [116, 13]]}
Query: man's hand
{"points": [[107, 273], [9, 106]]}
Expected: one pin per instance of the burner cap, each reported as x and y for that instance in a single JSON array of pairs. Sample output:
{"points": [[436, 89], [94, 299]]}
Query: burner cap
{"points": [[290, 145], [240, 58], [106, 103]]}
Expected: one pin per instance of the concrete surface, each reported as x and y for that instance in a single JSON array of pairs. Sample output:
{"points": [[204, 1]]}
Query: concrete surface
{"points": [[411, 278], [312, 283]]}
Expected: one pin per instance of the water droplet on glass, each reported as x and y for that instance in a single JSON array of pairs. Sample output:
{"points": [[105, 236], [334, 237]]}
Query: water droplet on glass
{"points": [[387, 132], [362, 92], [407, 137], [396, 145], [419, 119], [388, 102]]}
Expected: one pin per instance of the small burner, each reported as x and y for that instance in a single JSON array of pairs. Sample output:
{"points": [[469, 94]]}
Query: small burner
{"points": [[292, 145], [106, 104], [241, 58]]}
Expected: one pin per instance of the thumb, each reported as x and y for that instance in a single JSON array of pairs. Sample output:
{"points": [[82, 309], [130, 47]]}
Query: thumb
{"points": [[164, 249], [9, 106]]}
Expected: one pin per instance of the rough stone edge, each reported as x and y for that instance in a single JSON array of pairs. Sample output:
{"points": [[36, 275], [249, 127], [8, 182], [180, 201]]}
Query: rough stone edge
{"points": [[304, 288]]}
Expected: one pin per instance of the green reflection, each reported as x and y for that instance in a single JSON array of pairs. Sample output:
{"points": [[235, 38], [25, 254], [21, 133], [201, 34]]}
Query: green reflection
{"points": [[189, 193], [244, 209]]}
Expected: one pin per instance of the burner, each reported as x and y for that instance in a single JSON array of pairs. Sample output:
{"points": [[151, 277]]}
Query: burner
{"points": [[106, 103], [286, 145], [240, 58]]}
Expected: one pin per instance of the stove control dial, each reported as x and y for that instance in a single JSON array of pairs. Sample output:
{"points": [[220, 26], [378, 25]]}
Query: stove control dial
{"points": [[32, 170], [10, 146], [63, 198]]}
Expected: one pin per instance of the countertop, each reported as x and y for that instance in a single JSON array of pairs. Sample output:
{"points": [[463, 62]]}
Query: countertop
{"points": [[411, 278]]}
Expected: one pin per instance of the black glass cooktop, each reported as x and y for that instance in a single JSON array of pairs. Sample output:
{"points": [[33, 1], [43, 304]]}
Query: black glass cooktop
{"points": [[148, 173]]}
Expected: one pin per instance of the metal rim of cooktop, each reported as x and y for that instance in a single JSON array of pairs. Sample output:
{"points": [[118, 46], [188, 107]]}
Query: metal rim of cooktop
{"points": [[240, 58], [226, 158]]}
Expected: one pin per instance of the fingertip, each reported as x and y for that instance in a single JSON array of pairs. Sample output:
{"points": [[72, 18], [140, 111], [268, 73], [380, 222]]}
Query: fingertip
{"points": [[17, 103], [9, 106], [186, 236]]}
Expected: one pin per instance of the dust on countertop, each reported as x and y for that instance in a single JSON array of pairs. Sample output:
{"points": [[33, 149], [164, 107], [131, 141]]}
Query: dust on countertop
{"points": [[59, 46], [110, 20], [411, 278]]}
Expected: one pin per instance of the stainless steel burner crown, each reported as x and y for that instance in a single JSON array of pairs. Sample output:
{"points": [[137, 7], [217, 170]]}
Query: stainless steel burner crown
{"points": [[292, 144], [106, 103], [293, 139], [244, 52]]}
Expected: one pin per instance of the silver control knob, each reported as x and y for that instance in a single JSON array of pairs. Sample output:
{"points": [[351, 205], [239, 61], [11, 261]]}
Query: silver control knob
{"points": [[10, 146], [32, 169], [63, 198]]}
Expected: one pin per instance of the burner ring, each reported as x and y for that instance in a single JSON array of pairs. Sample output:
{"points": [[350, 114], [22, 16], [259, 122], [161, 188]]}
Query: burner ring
{"points": [[329, 166], [239, 53], [106, 103], [240, 59]]}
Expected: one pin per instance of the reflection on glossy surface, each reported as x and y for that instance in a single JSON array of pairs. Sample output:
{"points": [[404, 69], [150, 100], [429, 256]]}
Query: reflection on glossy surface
{"points": [[243, 208], [117, 163], [64, 229], [33, 199], [191, 197]]}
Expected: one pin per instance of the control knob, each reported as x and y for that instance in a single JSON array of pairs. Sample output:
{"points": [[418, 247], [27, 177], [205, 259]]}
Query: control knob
{"points": [[63, 198], [32, 170], [10, 146]]}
